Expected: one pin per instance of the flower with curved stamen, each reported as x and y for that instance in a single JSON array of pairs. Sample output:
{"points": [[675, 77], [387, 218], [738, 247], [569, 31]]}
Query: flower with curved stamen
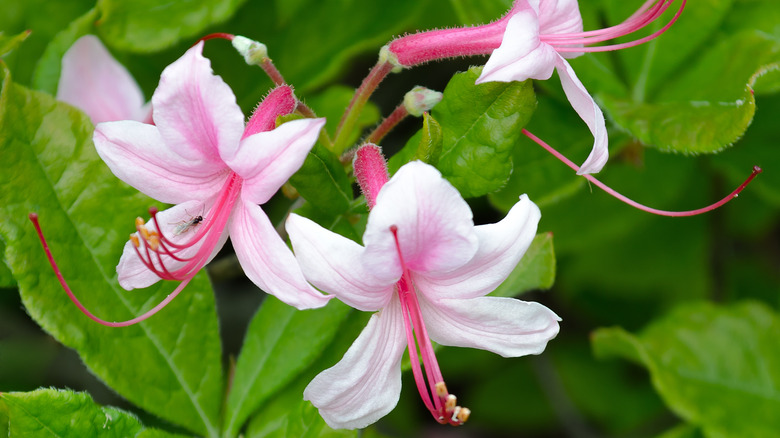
{"points": [[426, 268], [200, 156], [531, 41], [94, 82]]}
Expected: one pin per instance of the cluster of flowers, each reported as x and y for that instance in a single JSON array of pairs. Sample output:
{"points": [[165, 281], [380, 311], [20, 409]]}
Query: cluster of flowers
{"points": [[424, 267]]}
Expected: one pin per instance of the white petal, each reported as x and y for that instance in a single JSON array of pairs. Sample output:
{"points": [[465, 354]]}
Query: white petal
{"points": [[434, 223], [366, 384], [501, 246], [521, 54], [559, 17], [93, 81], [266, 160], [591, 114], [137, 154], [133, 274], [333, 263], [267, 260], [505, 326]]}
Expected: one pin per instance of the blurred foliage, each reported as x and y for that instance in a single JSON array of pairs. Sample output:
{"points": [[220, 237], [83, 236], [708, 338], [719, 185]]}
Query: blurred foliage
{"points": [[708, 86]]}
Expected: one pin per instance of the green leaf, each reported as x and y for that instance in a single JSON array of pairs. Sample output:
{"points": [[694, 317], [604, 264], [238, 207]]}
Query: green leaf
{"points": [[536, 269], [716, 367], [682, 431], [689, 90], [83, 210], [150, 25], [321, 180], [429, 148], [6, 277], [480, 126], [287, 411], [58, 413], [47, 71], [281, 342], [10, 43]]}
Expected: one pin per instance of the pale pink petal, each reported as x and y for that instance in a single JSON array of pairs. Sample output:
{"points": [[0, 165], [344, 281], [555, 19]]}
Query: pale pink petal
{"points": [[505, 326], [93, 81], [521, 55], [137, 155], [434, 224], [267, 260], [559, 17], [333, 263], [501, 246], [591, 114], [133, 274], [196, 111], [266, 160], [366, 384]]}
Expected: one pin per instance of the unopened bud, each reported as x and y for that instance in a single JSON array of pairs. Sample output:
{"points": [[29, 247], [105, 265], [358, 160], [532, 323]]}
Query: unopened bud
{"points": [[253, 52], [420, 100]]}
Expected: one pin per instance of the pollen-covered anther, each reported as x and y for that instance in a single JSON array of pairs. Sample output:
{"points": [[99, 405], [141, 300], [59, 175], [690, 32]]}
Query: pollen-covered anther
{"points": [[154, 242], [144, 232], [134, 239]]}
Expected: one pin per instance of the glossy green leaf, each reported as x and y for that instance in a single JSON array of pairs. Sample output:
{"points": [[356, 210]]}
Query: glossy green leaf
{"points": [[716, 367], [429, 149], [536, 269], [280, 343], [323, 182], [9, 43], [287, 411], [47, 71], [60, 413], [480, 126], [150, 25], [689, 90], [86, 214]]}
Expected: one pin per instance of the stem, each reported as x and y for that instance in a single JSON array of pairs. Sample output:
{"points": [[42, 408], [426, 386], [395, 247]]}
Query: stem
{"points": [[387, 125], [349, 119], [613, 193]]}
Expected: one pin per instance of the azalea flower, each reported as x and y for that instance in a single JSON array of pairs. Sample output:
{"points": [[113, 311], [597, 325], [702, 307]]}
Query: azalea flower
{"points": [[93, 81], [200, 156], [426, 269], [534, 38]]}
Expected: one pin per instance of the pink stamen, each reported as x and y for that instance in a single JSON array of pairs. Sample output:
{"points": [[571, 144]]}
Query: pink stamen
{"points": [[629, 26], [428, 378], [613, 193], [34, 219]]}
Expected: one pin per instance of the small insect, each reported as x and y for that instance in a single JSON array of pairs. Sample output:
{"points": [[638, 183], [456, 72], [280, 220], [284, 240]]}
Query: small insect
{"points": [[184, 226]]}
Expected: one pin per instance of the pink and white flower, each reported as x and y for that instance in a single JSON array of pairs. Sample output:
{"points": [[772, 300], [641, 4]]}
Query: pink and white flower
{"points": [[200, 156], [426, 269], [531, 41], [93, 81]]}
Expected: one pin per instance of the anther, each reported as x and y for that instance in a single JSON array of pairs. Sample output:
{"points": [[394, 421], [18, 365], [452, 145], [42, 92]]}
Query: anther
{"points": [[139, 222], [134, 239], [464, 414], [451, 403], [154, 242], [144, 232], [441, 389]]}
